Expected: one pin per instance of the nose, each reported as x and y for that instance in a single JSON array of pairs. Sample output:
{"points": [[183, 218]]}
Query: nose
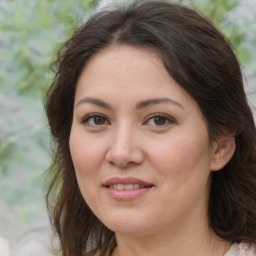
{"points": [[124, 149]]}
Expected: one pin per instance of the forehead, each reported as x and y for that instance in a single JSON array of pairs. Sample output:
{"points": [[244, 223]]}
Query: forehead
{"points": [[123, 65], [128, 73], [123, 60]]}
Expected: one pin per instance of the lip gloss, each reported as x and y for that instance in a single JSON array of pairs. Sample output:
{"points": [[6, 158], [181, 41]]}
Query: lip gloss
{"points": [[125, 195], [126, 188]]}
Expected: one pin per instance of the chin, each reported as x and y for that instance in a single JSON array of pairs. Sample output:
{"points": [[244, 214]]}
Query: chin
{"points": [[128, 224]]}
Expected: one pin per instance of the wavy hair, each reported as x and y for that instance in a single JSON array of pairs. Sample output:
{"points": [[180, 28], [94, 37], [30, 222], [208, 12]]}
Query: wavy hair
{"points": [[202, 61]]}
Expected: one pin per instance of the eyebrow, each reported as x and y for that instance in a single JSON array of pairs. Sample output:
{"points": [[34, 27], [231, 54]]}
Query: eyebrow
{"points": [[149, 102], [94, 101], [140, 105]]}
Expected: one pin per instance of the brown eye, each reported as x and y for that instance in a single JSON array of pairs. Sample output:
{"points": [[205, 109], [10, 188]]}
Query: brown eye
{"points": [[95, 120], [99, 120], [159, 120]]}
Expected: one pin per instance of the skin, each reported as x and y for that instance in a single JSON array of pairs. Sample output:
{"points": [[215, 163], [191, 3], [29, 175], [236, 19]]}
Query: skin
{"points": [[164, 143]]}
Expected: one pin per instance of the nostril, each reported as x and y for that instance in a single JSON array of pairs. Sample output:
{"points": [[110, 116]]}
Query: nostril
{"points": [[125, 158]]}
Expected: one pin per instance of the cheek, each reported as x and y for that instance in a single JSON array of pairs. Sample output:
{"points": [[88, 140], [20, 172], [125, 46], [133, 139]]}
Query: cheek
{"points": [[86, 160], [183, 160], [180, 152], [183, 166], [85, 153]]}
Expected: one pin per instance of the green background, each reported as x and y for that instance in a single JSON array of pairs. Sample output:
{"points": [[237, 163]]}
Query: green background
{"points": [[30, 33]]}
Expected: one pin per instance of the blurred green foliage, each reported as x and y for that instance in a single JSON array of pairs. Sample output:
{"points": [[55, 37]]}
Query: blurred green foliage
{"points": [[30, 33], [217, 11], [214, 10], [30, 30]]}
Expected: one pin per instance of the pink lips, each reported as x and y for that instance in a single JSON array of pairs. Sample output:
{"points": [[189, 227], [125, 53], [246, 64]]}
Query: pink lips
{"points": [[125, 195]]}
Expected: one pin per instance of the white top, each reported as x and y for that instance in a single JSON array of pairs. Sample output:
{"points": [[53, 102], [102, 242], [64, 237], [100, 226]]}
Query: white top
{"points": [[241, 249]]}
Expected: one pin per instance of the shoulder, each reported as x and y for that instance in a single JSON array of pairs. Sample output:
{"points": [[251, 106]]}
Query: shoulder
{"points": [[242, 249]]}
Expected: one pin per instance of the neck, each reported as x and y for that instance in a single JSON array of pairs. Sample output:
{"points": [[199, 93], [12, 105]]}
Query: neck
{"points": [[194, 239]]}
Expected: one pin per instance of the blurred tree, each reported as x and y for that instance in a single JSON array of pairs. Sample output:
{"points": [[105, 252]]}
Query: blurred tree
{"points": [[30, 33], [30, 30], [216, 11]]}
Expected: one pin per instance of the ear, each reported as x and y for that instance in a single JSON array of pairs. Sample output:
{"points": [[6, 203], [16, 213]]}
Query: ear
{"points": [[223, 150]]}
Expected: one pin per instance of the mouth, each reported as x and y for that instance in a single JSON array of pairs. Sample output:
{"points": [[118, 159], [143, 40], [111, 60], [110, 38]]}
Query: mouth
{"points": [[127, 186], [125, 189]]}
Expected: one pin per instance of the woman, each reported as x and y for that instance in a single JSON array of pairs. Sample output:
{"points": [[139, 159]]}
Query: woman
{"points": [[155, 141]]}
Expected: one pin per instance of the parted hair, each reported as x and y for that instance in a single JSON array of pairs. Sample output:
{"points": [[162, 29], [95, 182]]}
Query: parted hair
{"points": [[202, 61]]}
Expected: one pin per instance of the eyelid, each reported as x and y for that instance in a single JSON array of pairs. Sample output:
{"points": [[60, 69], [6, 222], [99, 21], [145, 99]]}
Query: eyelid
{"points": [[168, 118], [91, 115]]}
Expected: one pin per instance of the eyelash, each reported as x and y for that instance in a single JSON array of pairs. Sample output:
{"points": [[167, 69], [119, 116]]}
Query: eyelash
{"points": [[92, 116], [167, 118]]}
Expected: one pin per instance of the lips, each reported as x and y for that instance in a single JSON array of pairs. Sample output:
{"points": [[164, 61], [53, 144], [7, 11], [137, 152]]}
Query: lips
{"points": [[121, 186], [125, 189], [126, 181]]}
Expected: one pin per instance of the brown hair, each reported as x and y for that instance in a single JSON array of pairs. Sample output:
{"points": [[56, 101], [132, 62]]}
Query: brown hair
{"points": [[201, 60]]}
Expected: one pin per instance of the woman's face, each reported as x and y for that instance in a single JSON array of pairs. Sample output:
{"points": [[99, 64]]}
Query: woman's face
{"points": [[139, 144]]}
